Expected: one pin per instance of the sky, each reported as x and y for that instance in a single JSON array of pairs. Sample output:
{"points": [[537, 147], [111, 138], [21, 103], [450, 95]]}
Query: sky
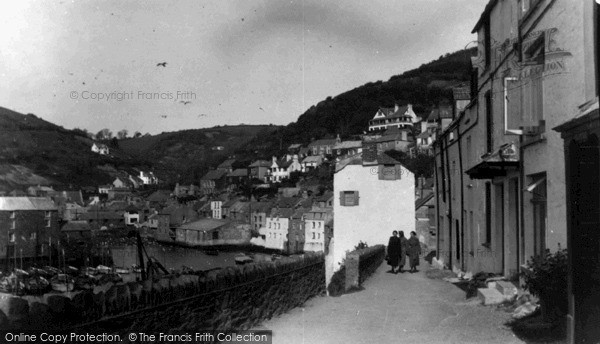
{"points": [[95, 64]]}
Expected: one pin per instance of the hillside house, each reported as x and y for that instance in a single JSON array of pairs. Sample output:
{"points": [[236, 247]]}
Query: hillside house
{"points": [[40, 191], [122, 183], [213, 180], [347, 148], [394, 139], [397, 117], [100, 148], [311, 162], [238, 176], [259, 169], [276, 229], [322, 147], [374, 195], [228, 165], [211, 232], [28, 225], [148, 178], [296, 231], [281, 169], [318, 230]]}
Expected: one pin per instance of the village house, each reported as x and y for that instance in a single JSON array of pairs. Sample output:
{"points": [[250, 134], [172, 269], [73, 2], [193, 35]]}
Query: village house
{"points": [[276, 229], [216, 208], [281, 169], [322, 147], [213, 180], [258, 214], [211, 232], [238, 176], [393, 139], [296, 231], [343, 148], [100, 148], [318, 230], [227, 166], [40, 191], [239, 212], [397, 117], [76, 230], [122, 182], [103, 220], [374, 195], [500, 188], [148, 178], [311, 162], [28, 225], [104, 189], [259, 169]]}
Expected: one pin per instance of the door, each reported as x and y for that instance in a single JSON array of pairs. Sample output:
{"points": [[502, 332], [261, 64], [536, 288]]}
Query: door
{"points": [[584, 218]]}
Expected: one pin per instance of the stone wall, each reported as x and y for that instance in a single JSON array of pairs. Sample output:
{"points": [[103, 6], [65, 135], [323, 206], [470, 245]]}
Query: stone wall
{"points": [[234, 298], [360, 264]]}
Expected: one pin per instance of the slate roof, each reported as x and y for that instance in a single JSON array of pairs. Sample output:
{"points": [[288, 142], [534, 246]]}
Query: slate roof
{"points": [[312, 158], [101, 215], [204, 225], [26, 203], [288, 202], [227, 163], [260, 163], [240, 172], [261, 207], [214, 175], [348, 145], [322, 142], [295, 146], [444, 111], [390, 113], [284, 213]]}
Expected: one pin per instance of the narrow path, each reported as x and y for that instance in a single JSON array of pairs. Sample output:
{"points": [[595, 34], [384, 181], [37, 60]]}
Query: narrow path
{"points": [[402, 308]]}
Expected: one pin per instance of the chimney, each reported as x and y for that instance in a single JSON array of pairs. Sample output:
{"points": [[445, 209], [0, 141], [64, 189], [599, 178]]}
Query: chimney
{"points": [[274, 159], [288, 157], [337, 139], [295, 157], [396, 107]]}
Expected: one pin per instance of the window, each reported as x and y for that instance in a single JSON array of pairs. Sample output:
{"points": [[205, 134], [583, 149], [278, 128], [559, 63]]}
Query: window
{"points": [[49, 222], [11, 237], [488, 214], [540, 216], [349, 198], [489, 122], [33, 236], [215, 235], [313, 235], [48, 214], [313, 224], [13, 224], [13, 214]]}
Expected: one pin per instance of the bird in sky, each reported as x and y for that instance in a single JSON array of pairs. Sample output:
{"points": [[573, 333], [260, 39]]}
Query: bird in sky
{"points": [[161, 64], [185, 102], [261, 109], [202, 115]]}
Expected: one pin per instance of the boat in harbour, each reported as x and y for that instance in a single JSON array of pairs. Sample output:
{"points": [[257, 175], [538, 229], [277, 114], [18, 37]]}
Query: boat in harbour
{"points": [[242, 259], [62, 283]]}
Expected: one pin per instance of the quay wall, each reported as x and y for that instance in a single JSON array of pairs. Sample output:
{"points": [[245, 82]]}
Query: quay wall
{"points": [[234, 298]]}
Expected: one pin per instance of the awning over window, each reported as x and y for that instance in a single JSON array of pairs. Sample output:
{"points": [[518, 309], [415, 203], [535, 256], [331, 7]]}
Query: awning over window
{"points": [[496, 164]]}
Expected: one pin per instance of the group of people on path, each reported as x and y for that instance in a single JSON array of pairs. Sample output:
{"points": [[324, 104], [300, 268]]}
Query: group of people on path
{"points": [[399, 248]]}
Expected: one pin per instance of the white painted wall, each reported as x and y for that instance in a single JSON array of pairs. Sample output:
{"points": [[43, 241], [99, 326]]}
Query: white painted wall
{"points": [[384, 206]]}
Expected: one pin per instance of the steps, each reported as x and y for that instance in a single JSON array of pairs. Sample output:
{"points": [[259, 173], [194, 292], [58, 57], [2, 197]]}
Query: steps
{"points": [[497, 292]]}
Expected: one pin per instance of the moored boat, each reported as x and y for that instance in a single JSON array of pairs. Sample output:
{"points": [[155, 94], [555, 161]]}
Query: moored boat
{"points": [[62, 283], [242, 259]]}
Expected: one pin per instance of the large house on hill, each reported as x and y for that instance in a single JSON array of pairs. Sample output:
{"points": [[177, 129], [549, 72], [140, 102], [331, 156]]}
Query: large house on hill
{"points": [[100, 148], [396, 117], [281, 169]]}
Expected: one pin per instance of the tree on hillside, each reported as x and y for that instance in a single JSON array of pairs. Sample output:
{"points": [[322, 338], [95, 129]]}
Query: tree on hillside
{"points": [[137, 134], [104, 134], [122, 134]]}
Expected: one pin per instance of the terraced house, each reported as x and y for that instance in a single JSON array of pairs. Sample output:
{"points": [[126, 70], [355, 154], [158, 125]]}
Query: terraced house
{"points": [[500, 172]]}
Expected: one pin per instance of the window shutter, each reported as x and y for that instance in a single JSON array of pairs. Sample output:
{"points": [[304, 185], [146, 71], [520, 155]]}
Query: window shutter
{"points": [[342, 199], [356, 197]]}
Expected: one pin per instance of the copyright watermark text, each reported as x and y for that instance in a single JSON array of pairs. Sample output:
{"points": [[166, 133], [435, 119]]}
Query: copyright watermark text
{"points": [[133, 95]]}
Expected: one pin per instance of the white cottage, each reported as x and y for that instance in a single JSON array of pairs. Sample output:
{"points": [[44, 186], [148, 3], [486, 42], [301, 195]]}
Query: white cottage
{"points": [[374, 195]]}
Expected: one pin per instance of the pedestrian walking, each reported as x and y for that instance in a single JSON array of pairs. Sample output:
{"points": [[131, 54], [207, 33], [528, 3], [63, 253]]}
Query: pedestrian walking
{"points": [[393, 252], [413, 251], [403, 251]]}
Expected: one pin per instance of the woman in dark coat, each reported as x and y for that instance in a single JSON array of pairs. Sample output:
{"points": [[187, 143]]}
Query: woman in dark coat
{"points": [[413, 251], [403, 248], [394, 251]]}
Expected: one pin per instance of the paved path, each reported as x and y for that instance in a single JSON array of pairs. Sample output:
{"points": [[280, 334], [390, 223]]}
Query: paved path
{"points": [[402, 308]]}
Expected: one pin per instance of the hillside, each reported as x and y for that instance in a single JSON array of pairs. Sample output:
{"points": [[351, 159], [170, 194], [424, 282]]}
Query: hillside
{"points": [[34, 151], [349, 113], [184, 156]]}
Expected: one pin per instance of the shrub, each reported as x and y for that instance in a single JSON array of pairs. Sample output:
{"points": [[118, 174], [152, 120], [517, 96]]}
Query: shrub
{"points": [[337, 286], [547, 278]]}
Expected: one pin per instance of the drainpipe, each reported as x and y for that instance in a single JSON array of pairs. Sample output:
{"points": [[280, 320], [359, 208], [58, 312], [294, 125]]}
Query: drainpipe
{"points": [[437, 205], [462, 196], [449, 216]]}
